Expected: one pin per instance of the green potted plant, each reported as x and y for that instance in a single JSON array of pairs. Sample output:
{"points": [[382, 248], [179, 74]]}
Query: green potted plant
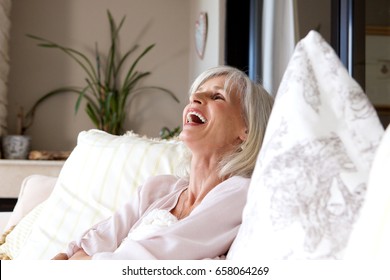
{"points": [[107, 95]]}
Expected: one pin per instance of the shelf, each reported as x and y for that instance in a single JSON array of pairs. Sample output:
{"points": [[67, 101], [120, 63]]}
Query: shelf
{"points": [[13, 172], [21, 162]]}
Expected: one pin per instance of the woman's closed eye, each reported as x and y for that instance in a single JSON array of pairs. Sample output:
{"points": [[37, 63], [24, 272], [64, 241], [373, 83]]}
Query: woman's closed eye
{"points": [[217, 96]]}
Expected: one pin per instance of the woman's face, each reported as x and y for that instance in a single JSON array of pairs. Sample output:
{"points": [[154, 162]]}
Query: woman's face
{"points": [[213, 120]]}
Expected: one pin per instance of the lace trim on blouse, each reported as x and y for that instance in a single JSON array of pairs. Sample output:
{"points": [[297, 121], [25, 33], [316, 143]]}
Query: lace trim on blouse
{"points": [[155, 220]]}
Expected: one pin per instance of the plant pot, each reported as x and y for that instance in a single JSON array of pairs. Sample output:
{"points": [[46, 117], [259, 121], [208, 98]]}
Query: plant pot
{"points": [[16, 146]]}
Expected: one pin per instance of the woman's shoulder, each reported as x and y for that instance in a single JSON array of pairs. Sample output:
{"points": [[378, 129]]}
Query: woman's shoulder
{"points": [[230, 194], [236, 182], [235, 186], [239, 179]]}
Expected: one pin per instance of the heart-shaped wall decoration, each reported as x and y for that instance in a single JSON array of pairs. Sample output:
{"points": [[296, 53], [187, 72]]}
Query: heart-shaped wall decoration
{"points": [[201, 34]]}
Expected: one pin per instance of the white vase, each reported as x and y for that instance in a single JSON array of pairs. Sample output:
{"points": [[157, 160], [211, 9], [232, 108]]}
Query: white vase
{"points": [[16, 146]]}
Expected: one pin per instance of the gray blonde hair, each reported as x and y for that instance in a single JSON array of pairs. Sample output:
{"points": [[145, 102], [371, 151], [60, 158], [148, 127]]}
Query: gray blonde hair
{"points": [[256, 106]]}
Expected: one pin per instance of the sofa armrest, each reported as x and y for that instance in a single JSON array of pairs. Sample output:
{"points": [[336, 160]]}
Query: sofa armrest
{"points": [[34, 190], [4, 218]]}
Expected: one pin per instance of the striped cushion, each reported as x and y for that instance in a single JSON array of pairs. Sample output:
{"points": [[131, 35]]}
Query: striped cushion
{"points": [[102, 173], [19, 234]]}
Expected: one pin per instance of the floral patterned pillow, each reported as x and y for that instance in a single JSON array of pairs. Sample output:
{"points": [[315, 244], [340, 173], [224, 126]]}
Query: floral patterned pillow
{"points": [[370, 238], [311, 174]]}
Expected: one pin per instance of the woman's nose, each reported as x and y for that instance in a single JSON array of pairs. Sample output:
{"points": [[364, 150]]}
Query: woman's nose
{"points": [[196, 98]]}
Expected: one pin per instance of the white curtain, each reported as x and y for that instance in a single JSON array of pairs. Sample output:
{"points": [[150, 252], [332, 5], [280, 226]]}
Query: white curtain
{"points": [[5, 23], [280, 34]]}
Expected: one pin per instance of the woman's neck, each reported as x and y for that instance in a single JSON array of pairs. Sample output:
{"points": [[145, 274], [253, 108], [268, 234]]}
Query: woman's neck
{"points": [[204, 176]]}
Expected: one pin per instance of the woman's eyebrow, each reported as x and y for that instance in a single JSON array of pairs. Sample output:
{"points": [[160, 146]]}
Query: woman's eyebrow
{"points": [[213, 88]]}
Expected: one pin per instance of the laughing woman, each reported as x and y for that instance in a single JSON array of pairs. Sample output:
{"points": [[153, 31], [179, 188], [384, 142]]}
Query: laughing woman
{"points": [[197, 216]]}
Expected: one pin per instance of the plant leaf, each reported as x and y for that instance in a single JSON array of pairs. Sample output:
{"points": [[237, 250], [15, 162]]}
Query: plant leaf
{"points": [[114, 32], [161, 89], [81, 59], [92, 115], [31, 113], [129, 73]]}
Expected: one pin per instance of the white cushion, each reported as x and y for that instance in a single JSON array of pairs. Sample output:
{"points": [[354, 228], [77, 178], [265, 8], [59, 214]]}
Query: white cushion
{"points": [[34, 190], [311, 173], [4, 218], [101, 173], [370, 238], [17, 238]]}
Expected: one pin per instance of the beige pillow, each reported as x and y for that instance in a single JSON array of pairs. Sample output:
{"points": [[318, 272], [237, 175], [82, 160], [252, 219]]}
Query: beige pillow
{"points": [[101, 173]]}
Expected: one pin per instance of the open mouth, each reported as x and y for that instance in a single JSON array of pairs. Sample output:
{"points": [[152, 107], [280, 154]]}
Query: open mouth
{"points": [[196, 118]]}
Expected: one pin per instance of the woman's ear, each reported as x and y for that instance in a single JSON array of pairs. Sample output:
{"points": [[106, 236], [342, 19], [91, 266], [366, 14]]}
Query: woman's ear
{"points": [[243, 134]]}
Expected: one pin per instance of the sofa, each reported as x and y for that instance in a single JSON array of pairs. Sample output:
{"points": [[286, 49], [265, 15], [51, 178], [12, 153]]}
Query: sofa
{"points": [[319, 189]]}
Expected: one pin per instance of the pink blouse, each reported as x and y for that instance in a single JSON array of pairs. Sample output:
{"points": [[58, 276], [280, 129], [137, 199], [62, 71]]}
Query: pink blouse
{"points": [[206, 233]]}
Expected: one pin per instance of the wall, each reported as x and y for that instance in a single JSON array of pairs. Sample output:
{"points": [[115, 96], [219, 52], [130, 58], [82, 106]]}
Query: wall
{"points": [[215, 45], [5, 6], [314, 15], [79, 24]]}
